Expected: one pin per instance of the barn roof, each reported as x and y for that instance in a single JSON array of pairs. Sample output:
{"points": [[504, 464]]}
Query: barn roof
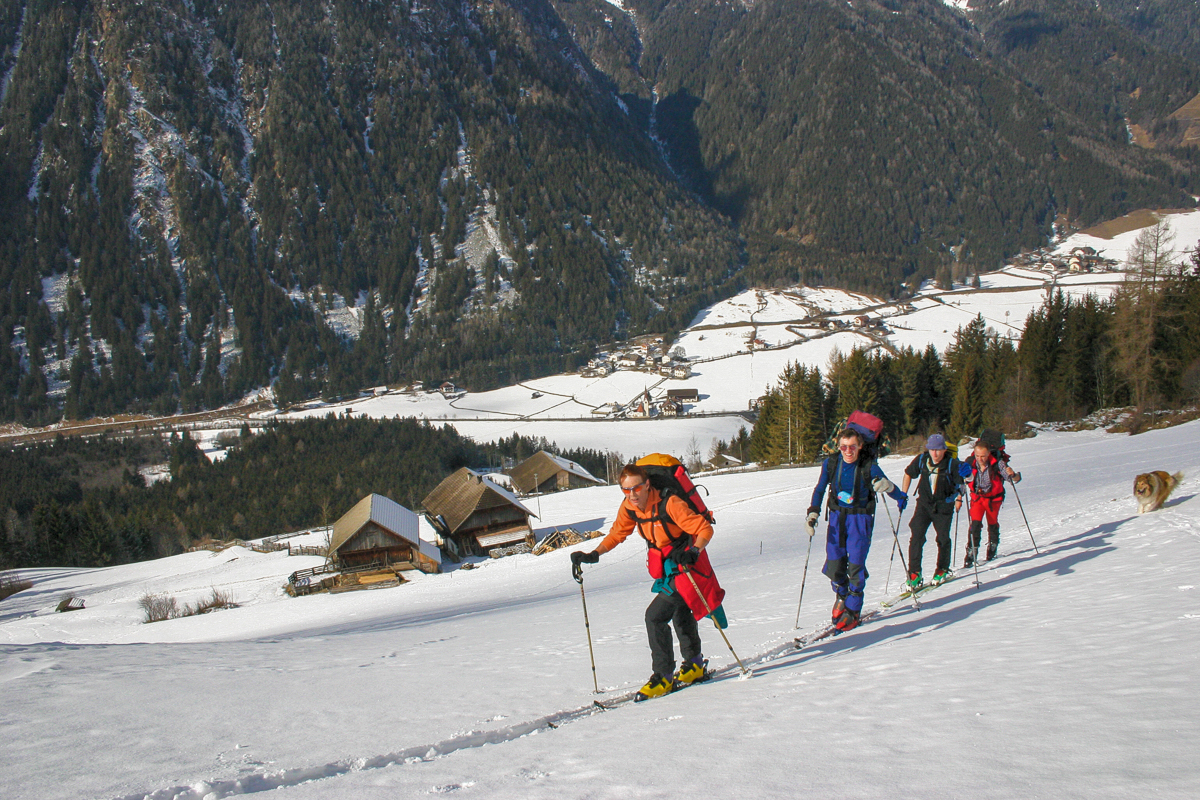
{"points": [[384, 512], [543, 465], [462, 493]]}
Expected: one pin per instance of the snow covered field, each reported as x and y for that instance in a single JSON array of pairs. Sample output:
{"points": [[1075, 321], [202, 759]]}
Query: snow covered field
{"points": [[1070, 673], [727, 375]]}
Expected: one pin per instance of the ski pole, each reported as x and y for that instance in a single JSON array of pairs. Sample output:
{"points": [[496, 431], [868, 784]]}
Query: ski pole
{"points": [[896, 534], [1017, 495], [975, 556], [888, 583], [708, 608], [803, 578], [577, 573], [954, 550]]}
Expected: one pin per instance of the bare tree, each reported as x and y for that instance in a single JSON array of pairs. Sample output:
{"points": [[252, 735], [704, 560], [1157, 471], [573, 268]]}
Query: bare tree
{"points": [[691, 457], [1138, 306]]}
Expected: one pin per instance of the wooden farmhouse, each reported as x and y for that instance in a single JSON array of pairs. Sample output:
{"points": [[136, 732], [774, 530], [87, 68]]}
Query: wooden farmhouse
{"points": [[475, 516], [380, 531], [543, 472]]}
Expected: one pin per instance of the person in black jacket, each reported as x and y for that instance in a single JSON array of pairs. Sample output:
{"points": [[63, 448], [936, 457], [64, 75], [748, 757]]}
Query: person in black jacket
{"points": [[939, 496]]}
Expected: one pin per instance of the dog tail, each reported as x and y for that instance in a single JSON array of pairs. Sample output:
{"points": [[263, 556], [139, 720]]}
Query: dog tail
{"points": [[1178, 477]]}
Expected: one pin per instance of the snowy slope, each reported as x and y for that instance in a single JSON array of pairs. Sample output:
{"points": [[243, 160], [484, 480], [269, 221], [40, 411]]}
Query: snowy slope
{"points": [[1070, 673]]}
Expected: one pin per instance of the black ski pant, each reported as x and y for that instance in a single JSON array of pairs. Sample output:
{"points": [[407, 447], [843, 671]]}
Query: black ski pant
{"points": [[663, 610], [922, 517], [975, 535]]}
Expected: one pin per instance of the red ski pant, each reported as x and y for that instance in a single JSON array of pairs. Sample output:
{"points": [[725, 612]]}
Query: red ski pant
{"points": [[986, 505]]}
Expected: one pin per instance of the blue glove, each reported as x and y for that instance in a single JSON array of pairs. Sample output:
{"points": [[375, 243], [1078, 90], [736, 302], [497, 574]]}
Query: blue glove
{"points": [[902, 502], [964, 469]]}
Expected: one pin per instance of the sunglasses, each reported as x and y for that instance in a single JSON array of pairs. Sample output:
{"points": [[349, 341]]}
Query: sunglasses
{"points": [[848, 448], [633, 489]]}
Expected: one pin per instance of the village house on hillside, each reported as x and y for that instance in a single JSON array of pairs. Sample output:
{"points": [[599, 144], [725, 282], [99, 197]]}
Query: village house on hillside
{"points": [[476, 516], [544, 472], [681, 397], [378, 530]]}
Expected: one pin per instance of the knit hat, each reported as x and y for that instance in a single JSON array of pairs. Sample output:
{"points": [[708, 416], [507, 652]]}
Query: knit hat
{"points": [[936, 442]]}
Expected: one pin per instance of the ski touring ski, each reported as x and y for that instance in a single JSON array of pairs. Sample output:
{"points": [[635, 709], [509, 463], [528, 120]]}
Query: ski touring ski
{"points": [[919, 592], [831, 630], [638, 697]]}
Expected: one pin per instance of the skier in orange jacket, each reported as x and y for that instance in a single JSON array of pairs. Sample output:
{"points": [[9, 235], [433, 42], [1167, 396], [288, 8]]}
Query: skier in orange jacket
{"points": [[676, 538]]}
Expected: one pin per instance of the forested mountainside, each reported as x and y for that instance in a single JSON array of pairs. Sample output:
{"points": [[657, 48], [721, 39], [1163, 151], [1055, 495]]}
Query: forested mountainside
{"points": [[200, 198], [187, 185], [1172, 25], [856, 142]]}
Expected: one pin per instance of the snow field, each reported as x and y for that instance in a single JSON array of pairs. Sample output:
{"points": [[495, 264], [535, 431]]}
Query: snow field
{"points": [[1069, 673]]}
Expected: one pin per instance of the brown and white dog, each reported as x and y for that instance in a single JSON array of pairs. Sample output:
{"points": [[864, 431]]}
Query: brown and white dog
{"points": [[1153, 488]]}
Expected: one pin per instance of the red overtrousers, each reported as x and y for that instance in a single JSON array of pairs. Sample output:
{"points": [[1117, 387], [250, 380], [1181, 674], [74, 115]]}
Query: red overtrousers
{"points": [[986, 505], [701, 572]]}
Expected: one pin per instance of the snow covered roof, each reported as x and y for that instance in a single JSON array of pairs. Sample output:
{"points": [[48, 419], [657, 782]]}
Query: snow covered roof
{"points": [[463, 492], [541, 466], [387, 514]]}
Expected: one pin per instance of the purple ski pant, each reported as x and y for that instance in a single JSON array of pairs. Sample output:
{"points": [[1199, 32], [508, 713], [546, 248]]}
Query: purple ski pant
{"points": [[847, 541]]}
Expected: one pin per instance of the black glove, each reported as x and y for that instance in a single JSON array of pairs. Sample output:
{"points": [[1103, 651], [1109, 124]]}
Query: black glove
{"points": [[580, 557], [685, 556]]}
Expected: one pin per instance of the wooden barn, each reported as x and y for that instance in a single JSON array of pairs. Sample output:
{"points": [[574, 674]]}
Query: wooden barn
{"points": [[379, 530], [544, 472], [475, 516]]}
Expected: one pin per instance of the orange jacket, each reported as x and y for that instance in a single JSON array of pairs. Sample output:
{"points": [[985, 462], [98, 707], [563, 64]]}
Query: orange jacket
{"points": [[681, 514]]}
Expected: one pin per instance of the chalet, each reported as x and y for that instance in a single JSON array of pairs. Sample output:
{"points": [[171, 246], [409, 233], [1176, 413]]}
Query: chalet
{"points": [[670, 408], [474, 515], [862, 321], [379, 530], [724, 461], [629, 361], [544, 472], [684, 395], [681, 372], [448, 389]]}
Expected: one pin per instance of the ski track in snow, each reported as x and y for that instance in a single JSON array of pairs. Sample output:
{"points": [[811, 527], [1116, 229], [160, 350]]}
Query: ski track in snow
{"points": [[783, 656]]}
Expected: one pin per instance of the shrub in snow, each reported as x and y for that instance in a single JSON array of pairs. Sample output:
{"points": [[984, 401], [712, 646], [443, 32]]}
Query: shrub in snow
{"points": [[159, 607], [218, 600]]}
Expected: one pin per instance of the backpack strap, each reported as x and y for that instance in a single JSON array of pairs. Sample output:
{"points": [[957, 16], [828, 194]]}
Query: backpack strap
{"points": [[662, 517], [862, 477]]}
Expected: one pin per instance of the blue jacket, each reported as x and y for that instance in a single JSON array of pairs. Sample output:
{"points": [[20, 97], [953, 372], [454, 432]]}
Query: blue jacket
{"points": [[839, 478]]}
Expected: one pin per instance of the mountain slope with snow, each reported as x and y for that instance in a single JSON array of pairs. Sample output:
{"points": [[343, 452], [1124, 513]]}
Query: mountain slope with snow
{"points": [[1070, 672]]}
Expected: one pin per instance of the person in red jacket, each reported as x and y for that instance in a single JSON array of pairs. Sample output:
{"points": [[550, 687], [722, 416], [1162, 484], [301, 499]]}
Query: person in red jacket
{"points": [[676, 538], [985, 472]]}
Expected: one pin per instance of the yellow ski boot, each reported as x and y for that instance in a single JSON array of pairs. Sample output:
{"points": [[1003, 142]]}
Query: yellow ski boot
{"points": [[692, 671], [657, 686]]}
